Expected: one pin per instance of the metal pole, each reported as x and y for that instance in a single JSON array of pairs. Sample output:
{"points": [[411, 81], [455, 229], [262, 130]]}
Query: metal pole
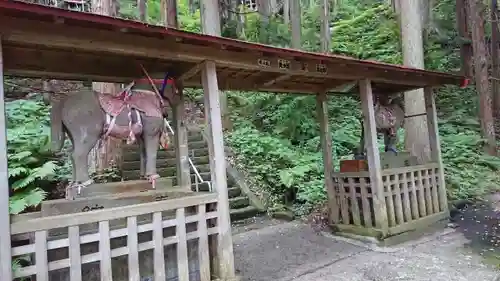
{"points": [[5, 247]]}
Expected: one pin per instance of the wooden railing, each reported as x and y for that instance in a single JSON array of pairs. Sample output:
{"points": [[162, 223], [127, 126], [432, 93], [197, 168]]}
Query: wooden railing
{"points": [[122, 243]]}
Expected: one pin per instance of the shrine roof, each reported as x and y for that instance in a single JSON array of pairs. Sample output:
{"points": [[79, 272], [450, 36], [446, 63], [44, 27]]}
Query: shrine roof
{"points": [[47, 42]]}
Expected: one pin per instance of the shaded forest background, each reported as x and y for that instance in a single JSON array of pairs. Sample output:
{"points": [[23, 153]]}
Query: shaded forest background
{"points": [[275, 138]]}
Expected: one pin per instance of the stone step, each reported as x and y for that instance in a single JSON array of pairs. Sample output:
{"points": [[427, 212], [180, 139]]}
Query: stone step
{"points": [[243, 213], [191, 133], [191, 145], [163, 163], [163, 172], [133, 175], [239, 202], [130, 155], [233, 192], [206, 177]]}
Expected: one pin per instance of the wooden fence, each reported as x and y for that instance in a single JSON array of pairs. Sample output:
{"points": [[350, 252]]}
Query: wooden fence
{"points": [[413, 196], [164, 240]]}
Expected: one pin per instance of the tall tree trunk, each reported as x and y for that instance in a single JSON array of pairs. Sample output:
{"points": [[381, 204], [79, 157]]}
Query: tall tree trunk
{"points": [[286, 11], [464, 34], [476, 25], [241, 17], [213, 28], [417, 135], [240, 28], [325, 26], [263, 7], [110, 152], [141, 4], [495, 83], [396, 7], [295, 18]]}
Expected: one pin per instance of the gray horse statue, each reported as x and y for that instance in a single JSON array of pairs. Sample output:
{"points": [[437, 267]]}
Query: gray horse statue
{"points": [[136, 113], [389, 117]]}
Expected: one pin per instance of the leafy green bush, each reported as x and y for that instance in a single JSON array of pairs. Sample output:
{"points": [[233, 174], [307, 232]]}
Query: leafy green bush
{"points": [[276, 137], [279, 165], [32, 168]]}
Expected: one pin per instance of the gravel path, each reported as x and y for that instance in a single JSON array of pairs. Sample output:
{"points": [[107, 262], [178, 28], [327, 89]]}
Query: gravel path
{"points": [[293, 251]]}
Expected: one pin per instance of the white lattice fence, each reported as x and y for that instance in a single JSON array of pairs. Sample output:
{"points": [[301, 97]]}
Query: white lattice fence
{"points": [[165, 240]]}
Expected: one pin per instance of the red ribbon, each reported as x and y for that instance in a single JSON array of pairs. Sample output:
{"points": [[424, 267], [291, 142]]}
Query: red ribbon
{"points": [[464, 83]]}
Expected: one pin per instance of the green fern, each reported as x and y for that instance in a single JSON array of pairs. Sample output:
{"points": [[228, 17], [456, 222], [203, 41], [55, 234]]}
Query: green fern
{"points": [[31, 166]]}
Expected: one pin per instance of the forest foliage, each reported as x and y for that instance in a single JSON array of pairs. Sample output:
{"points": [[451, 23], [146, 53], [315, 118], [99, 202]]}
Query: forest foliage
{"points": [[276, 137]]}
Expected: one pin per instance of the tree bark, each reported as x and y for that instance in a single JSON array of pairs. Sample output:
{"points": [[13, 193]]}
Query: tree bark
{"points": [[141, 4], [481, 77], [463, 33], [325, 26], [110, 152], [416, 133], [495, 83], [264, 9], [396, 7], [295, 18], [286, 11], [212, 27]]}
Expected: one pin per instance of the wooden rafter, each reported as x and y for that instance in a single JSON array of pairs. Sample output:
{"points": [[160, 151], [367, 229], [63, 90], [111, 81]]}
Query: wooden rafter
{"points": [[103, 37]]}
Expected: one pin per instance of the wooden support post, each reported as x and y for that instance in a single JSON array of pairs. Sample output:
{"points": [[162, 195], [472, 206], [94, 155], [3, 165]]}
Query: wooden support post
{"points": [[435, 146], [373, 156], [181, 143], [326, 144], [5, 247], [225, 255], [179, 111]]}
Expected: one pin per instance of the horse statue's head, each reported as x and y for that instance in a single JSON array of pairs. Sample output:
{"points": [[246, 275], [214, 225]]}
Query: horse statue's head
{"points": [[163, 84]]}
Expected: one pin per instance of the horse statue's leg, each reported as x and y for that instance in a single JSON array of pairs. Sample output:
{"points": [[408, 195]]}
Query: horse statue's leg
{"points": [[390, 141]]}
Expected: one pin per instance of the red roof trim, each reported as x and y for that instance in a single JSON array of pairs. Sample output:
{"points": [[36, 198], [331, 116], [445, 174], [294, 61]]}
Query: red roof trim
{"points": [[30, 10]]}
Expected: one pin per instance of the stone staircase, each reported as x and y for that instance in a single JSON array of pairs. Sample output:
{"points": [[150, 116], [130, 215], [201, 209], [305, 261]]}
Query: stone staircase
{"points": [[239, 202]]}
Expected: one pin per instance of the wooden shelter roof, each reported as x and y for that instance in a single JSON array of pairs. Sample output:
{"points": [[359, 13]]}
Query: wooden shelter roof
{"points": [[46, 42]]}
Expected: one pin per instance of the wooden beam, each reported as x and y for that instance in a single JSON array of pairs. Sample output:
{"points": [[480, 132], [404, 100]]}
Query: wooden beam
{"points": [[190, 73], [374, 167], [5, 246], [341, 86], [276, 80], [326, 144], [432, 124], [31, 33], [226, 270], [37, 62]]}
